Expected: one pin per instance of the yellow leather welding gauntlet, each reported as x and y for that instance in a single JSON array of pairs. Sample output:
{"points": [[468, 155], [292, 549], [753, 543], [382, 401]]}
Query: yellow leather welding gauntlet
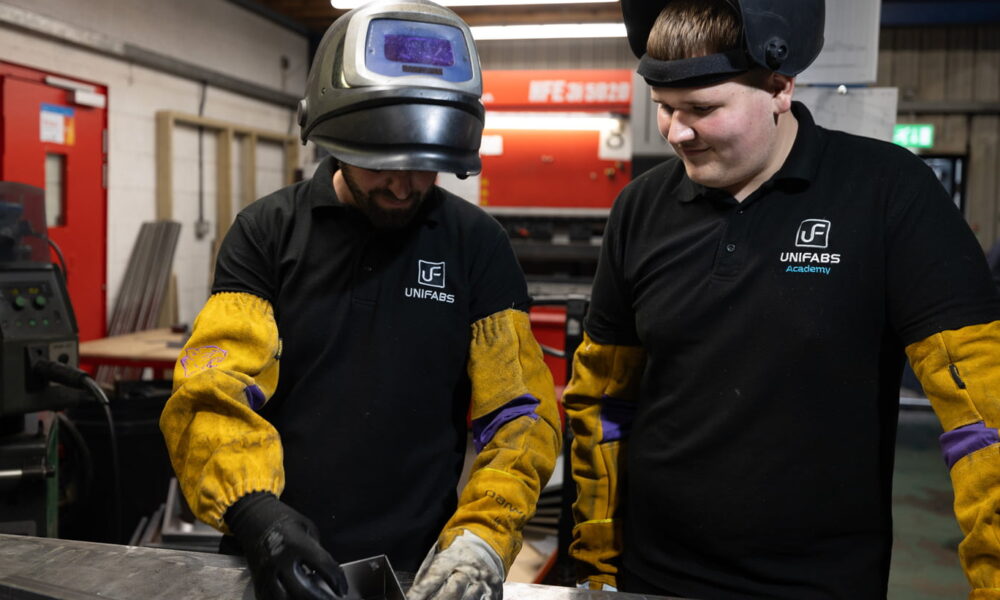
{"points": [[960, 373], [600, 403], [516, 433], [220, 448]]}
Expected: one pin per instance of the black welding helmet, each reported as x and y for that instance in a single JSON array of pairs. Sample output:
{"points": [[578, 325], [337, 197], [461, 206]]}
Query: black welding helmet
{"points": [[784, 36], [396, 85]]}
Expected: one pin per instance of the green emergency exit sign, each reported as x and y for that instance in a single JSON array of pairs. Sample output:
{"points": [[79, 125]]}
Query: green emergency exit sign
{"points": [[920, 135]]}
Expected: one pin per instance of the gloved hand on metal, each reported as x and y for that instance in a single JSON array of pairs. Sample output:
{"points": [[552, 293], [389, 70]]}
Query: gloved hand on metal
{"points": [[469, 569], [283, 551]]}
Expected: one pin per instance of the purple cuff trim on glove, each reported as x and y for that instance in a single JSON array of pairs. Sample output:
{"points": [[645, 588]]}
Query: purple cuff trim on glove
{"points": [[484, 428], [255, 397], [965, 440], [616, 418]]}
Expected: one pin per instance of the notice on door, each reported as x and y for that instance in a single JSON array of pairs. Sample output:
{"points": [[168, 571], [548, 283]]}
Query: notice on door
{"points": [[56, 125]]}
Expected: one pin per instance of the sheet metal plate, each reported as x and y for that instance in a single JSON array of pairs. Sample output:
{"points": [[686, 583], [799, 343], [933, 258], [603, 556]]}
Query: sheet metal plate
{"points": [[372, 579], [33, 568]]}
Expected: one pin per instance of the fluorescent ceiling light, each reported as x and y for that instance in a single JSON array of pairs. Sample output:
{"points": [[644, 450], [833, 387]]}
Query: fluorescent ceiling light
{"points": [[357, 3], [551, 121], [549, 31]]}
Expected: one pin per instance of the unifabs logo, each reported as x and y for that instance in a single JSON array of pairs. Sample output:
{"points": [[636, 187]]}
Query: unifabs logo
{"points": [[430, 275], [812, 233]]}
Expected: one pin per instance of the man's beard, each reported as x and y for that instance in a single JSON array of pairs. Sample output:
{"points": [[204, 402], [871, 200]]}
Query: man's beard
{"points": [[380, 216]]}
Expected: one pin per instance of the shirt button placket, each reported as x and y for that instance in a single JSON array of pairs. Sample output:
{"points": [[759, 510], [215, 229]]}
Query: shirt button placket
{"points": [[731, 260], [366, 289]]}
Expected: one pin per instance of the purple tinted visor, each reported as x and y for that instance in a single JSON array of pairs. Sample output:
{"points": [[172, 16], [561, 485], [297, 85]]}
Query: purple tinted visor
{"points": [[418, 49]]}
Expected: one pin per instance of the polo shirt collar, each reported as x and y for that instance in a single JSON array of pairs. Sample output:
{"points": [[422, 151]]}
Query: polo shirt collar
{"points": [[320, 192], [806, 154], [799, 168]]}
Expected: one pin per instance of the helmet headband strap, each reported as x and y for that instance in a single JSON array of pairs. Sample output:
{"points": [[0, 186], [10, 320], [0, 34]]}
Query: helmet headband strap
{"points": [[693, 72]]}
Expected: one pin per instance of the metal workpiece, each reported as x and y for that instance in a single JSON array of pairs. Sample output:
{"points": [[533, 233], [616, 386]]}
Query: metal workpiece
{"points": [[530, 591], [33, 568], [43, 568], [372, 579]]}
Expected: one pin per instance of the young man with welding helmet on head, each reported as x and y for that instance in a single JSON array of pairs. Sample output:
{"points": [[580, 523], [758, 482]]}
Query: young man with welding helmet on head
{"points": [[734, 401], [388, 304]]}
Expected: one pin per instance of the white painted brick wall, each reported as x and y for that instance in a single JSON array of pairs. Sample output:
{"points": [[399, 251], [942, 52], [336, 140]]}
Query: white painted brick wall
{"points": [[270, 168], [215, 34], [223, 37]]}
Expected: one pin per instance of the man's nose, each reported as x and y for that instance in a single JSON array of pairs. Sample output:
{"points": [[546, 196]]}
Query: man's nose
{"points": [[400, 184], [678, 131]]}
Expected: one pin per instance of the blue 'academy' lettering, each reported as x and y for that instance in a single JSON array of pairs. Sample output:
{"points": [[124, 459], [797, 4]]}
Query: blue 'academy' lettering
{"points": [[807, 269], [822, 258], [429, 294]]}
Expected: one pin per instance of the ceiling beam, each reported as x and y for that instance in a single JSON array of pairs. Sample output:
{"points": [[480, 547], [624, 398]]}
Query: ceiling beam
{"points": [[525, 15], [317, 15]]}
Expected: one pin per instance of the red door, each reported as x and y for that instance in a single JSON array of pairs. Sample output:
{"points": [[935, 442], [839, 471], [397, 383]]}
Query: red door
{"points": [[52, 137]]}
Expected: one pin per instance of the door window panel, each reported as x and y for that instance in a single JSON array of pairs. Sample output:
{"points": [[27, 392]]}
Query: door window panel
{"points": [[55, 194]]}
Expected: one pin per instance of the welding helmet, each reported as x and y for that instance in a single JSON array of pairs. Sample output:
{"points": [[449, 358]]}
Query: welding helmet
{"points": [[396, 85], [784, 36]]}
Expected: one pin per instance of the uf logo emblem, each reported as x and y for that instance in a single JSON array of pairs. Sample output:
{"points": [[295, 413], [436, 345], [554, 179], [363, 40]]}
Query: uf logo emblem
{"points": [[813, 233], [430, 273]]}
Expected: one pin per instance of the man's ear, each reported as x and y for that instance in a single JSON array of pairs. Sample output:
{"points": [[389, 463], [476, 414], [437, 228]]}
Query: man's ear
{"points": [[781, 88]]}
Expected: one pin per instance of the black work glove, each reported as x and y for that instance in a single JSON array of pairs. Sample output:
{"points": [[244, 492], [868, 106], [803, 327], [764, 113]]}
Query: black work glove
{"points": [[283, 552]]}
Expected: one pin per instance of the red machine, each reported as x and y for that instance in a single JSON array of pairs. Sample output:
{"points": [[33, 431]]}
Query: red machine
{"points": [[555, 139], [556, 152]]}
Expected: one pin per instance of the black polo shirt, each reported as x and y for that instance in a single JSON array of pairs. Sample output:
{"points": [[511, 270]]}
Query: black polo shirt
{"points": [[373, 392], [760, 460]]}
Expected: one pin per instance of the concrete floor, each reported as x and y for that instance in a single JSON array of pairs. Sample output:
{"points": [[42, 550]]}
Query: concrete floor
{"points": [[925, 548]]}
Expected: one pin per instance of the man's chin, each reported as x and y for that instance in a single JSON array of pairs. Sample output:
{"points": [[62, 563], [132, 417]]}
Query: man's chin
{"points": [[700, 177], [392, 218], [707, 177]]}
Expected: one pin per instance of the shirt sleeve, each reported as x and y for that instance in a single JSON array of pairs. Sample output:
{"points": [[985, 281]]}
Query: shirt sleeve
{"points": [[497, 282], [243, 264], [610, 317], [937, 276]]}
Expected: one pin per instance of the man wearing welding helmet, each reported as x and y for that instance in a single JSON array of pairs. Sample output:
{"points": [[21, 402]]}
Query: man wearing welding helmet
{"points": [[388, 304], [735, 398]]}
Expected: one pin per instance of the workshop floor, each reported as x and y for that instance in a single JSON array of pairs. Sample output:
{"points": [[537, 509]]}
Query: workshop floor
{"points": [[924, 555]]}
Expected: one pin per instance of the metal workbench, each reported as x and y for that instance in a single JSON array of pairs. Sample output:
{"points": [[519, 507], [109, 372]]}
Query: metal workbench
{"points": [[33, 568]]}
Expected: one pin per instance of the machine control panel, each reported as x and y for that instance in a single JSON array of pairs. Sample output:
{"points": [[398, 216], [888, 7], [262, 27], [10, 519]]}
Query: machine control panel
{"points": [[27, 307], [36, 323]]}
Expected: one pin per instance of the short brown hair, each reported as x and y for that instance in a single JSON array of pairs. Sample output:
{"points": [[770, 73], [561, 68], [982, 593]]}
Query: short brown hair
{"points": [[691, 28]]}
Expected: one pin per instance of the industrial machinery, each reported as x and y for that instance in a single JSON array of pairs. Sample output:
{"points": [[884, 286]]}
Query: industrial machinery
{"points": [[36, 318], [556, 152], [38, 359]]}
